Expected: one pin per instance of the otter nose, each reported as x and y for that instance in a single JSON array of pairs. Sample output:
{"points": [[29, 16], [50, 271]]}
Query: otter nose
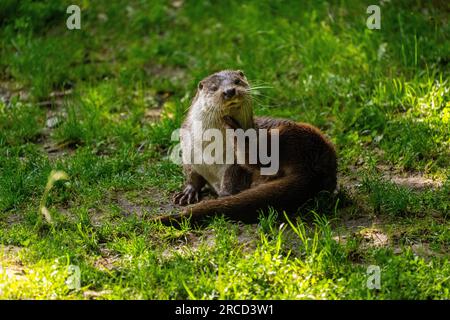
{"points": [[229, 93]]}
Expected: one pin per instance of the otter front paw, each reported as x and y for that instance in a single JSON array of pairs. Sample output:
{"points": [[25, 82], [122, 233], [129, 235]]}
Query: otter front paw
{"points": [[188, 196]]}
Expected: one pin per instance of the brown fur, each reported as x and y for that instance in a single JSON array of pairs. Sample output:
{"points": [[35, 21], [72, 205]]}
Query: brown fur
{"points": [[307, 166]]}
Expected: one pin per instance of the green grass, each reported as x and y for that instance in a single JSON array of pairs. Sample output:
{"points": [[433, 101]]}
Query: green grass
{"points": [[382, 96]]}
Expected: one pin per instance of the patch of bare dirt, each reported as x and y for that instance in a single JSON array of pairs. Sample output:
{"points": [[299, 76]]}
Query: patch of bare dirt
{"points": [[55, 115], [10, 90], [351, 181], [190, 242], [367, 228], [55, 99], [247, 238], [413, 180], [96, 216], [421, 249], [13, 272], [56, 151], [10, 251], [10, 264], [142, 204], [96, 294], [153, 114], [148, 201], [11, 217], [418, 182], [107, 261], [355, 224], [373, 237]]}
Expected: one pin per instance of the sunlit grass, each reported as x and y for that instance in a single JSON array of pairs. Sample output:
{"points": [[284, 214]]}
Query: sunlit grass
{"points": [[382, 96]]}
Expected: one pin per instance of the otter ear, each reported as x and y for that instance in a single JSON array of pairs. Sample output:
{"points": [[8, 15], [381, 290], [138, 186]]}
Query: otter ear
{"points": [[241, 73], [200, 85]]}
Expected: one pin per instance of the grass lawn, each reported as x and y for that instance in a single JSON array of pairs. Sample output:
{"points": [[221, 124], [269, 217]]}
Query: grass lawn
{"points": [[101, 103]]}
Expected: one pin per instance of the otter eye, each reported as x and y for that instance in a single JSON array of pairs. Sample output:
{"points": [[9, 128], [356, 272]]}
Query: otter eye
{"points": [[237, 82], [200, 85], [213, 88], [241, 73]]}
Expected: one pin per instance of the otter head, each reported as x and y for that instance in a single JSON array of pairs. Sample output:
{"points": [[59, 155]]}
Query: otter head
{"points": [[224, 93], [223, 90]]}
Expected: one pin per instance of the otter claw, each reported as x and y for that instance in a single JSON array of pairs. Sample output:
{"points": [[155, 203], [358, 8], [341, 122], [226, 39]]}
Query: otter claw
{"points": [[188, 196]]}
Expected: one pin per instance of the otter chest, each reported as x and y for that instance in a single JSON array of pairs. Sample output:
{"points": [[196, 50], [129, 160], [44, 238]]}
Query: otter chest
{"points": [[213, 173], [201, 160]]}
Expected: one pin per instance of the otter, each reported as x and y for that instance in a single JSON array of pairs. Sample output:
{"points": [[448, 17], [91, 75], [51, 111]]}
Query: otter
{"points": [[307, 159]]}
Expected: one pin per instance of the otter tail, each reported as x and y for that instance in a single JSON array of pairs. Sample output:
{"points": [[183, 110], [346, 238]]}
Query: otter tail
{"points": [[286, 193]]}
